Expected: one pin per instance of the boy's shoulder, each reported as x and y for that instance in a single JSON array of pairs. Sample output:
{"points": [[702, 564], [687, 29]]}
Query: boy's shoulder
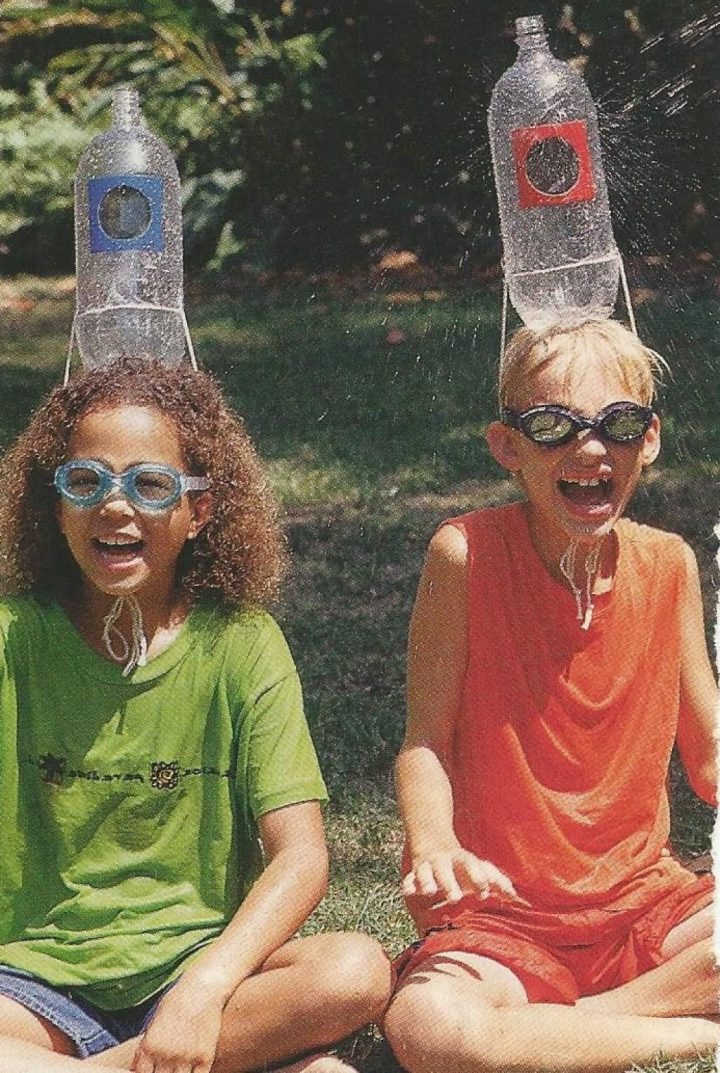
{"points": [[649, 540], [488, 520], [510, 518], [495, 515]]}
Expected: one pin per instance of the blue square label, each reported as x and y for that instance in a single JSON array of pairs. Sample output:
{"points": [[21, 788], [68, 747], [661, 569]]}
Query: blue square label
{"points": [[126, 213]]}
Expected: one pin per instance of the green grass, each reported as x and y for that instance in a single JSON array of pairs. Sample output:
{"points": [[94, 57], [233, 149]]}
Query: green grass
{"points": [[369, 446]]}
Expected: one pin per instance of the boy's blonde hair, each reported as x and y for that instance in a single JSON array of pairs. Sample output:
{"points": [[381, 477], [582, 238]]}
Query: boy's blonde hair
{"points": [[529, 351]]}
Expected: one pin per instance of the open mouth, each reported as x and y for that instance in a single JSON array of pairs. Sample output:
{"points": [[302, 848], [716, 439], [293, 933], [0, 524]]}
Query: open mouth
{"points": [[589, 492], [125, 548]]}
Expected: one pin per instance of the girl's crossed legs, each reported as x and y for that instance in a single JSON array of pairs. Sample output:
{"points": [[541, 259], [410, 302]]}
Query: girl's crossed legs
{"points": [[309, 994]]}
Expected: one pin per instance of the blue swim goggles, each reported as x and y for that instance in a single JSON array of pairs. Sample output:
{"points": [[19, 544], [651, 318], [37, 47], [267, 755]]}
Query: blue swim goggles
{"points": [[150, 486]]}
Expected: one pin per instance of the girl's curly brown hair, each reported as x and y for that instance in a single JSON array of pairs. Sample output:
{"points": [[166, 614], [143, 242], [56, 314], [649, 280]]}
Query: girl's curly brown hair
{"points": [[238, 557]]}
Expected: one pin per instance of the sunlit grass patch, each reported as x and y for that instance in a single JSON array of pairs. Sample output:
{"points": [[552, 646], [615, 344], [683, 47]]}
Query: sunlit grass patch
{"points": [[236, 344], [666, 1065], [365, 839], [302, 480]]}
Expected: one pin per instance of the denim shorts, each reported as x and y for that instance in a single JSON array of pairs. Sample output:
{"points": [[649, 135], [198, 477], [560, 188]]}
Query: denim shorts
{"points": [[92, 1030]]}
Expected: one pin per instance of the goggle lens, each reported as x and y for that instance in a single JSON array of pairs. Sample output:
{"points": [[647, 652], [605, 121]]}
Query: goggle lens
{"points": [[624, 426], [82, 482], [548, 427], [155, 486]]}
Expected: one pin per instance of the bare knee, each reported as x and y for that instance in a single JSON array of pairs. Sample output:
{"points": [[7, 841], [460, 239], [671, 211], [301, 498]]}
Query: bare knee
{"points": [[702, 955], [428, 1021], [699, 958], [348, 972], [358, 968], [694, 929]]}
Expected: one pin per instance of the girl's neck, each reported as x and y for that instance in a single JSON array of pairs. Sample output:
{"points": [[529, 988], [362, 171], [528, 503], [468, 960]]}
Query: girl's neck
{"points": [[161, 619]]}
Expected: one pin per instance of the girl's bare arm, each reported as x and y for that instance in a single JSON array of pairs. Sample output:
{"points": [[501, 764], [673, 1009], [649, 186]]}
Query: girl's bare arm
{"points": [[185, 1029]]}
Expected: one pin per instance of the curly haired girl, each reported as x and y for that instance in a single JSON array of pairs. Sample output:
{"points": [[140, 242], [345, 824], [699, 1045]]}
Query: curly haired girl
{"points": [[152, 729]]}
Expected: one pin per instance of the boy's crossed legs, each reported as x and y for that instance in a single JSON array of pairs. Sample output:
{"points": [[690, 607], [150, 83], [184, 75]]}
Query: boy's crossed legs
{"points": [[309, 994], [468, 1013]]}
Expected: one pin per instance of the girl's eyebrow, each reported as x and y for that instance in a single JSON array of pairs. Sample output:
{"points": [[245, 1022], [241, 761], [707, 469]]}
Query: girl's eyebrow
{"points": [[108, 466]]}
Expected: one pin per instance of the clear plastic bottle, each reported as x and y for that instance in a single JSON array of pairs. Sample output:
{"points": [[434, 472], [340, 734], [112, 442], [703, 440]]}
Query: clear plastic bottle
{"points": [[128, 243], [560, 258]]}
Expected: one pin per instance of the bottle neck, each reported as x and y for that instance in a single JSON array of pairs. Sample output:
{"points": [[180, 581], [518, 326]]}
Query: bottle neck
{"points": [[126, 108], [532, 42], [530, 34]]}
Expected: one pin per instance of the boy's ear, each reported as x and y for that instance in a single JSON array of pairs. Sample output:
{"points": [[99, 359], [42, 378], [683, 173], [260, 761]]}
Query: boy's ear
{"points": [[202, 512], [501, 442], [651, 442]]}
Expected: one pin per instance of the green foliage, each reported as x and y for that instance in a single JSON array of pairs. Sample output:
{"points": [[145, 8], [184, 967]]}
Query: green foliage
{"points": [[216, 81], [39, 145]]}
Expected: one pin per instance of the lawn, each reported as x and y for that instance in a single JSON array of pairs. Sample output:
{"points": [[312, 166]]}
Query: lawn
{"points": [[369, 408]]}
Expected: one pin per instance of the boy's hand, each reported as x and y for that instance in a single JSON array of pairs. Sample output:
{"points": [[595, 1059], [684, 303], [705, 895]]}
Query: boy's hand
{"points": [[182, 1037], [451, 874]]}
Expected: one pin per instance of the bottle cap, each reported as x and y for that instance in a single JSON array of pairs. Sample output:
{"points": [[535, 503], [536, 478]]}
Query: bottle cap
{"points": [[126, 107], [529, 24]]}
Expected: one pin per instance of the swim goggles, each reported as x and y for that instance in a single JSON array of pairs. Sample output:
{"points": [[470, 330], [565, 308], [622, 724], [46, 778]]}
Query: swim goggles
{"points": [[150, 486], [550, 425]]}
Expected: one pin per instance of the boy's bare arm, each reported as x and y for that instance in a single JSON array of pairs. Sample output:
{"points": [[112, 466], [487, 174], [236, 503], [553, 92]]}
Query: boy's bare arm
{"points": [[437, 660], [697, 727], [185, 1029]]}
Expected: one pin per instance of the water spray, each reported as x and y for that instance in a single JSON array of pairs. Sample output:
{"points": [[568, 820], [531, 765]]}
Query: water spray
{"points": [[561, 262]]}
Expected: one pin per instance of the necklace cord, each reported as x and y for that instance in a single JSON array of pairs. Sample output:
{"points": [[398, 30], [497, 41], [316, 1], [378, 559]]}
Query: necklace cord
{"points": [[133, 652], [567, 569]]}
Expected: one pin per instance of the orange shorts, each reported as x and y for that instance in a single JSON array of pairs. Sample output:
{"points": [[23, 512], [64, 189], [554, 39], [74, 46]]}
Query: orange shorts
{"points": [[581, 952]]}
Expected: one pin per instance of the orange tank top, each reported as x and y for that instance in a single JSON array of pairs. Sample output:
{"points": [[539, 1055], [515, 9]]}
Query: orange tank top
{"points": [[563, 741]]}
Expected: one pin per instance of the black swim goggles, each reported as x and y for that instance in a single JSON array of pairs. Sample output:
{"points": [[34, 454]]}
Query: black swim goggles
{"points": [[550, 425], [150, 486]]}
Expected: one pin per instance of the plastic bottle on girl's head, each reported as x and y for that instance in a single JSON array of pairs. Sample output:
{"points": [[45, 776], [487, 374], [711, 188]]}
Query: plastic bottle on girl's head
{"points": [[560, 259], [128, 243]]}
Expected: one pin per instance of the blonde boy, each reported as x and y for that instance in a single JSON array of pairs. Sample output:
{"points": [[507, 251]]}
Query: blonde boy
{"points": [[556, 654]]}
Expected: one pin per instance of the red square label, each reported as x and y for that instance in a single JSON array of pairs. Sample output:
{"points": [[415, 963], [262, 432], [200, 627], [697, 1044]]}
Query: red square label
{"points": [[553, 165]]}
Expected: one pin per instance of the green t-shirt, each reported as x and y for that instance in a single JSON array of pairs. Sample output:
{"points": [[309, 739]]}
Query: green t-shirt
{"points": [[128, 805]]}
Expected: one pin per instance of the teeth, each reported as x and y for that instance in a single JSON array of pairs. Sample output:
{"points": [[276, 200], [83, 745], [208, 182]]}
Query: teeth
{"points": [[120, 542], [594, 482]]}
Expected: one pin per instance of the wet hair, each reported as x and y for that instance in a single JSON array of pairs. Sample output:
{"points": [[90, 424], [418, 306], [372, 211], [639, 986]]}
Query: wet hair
{"points": [[529, 351], [235, 561]]}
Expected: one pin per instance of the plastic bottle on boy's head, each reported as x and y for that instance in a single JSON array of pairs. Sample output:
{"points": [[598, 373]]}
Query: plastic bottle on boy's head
{"points": [[561, 262], [128, 243]]}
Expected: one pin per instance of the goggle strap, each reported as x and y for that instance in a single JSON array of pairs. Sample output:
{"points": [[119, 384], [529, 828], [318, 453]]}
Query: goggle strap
{"points": [[171, 309], [503, 318], [626, 296], [195, 484]]}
